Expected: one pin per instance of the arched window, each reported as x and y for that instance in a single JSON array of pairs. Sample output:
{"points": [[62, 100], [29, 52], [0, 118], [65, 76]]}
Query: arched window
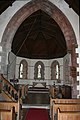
{"points": [[55, 70], [39, 70], [23, 68]]}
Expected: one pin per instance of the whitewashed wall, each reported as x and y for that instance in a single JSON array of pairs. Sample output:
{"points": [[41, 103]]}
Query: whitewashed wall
{"points": [[11, 66], [47, 66]]}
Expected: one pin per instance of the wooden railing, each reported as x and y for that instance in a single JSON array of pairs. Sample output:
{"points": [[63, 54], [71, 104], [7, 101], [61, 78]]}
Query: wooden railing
{"points": [[8, 89], [13, 100]]}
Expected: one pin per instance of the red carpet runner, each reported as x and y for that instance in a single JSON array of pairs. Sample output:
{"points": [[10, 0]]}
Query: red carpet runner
{"points": [[37, 114]]}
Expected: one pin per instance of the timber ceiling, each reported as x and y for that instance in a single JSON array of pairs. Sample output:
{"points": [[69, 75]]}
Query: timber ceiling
{"points": [[39, 35]]}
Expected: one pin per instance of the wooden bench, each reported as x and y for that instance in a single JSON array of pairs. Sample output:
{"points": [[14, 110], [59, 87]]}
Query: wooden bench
{"points": [[7, 114], [64, 107], [8, 105], [61, 101], [69, 115]]}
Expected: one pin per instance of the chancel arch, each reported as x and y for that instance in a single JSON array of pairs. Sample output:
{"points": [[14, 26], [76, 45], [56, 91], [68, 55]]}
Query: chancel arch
{"points": [[38, 59], [56, 14]]}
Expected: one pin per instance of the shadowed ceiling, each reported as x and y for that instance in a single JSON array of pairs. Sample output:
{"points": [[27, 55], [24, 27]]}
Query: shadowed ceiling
{"points": [[39, 37]]}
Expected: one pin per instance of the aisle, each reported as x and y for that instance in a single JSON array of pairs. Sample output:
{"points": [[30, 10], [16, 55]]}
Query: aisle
{"points": [[37, 114]]}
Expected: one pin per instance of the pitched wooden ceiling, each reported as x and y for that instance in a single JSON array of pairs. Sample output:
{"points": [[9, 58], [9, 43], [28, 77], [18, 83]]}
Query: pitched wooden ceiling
{"points": [[39, 36]]}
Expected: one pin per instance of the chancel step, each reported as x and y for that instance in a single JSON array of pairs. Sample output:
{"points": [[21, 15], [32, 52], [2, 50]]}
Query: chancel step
{"points": [[46, 106]]}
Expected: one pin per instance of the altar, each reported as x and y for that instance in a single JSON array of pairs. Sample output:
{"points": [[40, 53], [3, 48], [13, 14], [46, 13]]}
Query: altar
{"points": [[39, 84]]}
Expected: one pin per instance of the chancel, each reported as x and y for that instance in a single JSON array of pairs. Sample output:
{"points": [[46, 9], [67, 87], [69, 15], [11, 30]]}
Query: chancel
{"points": [[39, 60]]}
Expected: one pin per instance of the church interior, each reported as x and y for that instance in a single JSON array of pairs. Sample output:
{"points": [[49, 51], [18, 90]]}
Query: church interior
{"points": [[39, 54]]}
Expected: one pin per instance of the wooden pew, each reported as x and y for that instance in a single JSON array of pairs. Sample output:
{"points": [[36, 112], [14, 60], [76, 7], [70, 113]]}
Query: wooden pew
{"points": [[61, 101], [7, 105], [64, 107], [73, 100], [7, 114], [69, 115]]}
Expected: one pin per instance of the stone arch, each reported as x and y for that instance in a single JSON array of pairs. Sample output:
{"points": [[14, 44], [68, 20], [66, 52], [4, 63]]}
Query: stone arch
{"points": [[52, 11], [47, 7]]}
